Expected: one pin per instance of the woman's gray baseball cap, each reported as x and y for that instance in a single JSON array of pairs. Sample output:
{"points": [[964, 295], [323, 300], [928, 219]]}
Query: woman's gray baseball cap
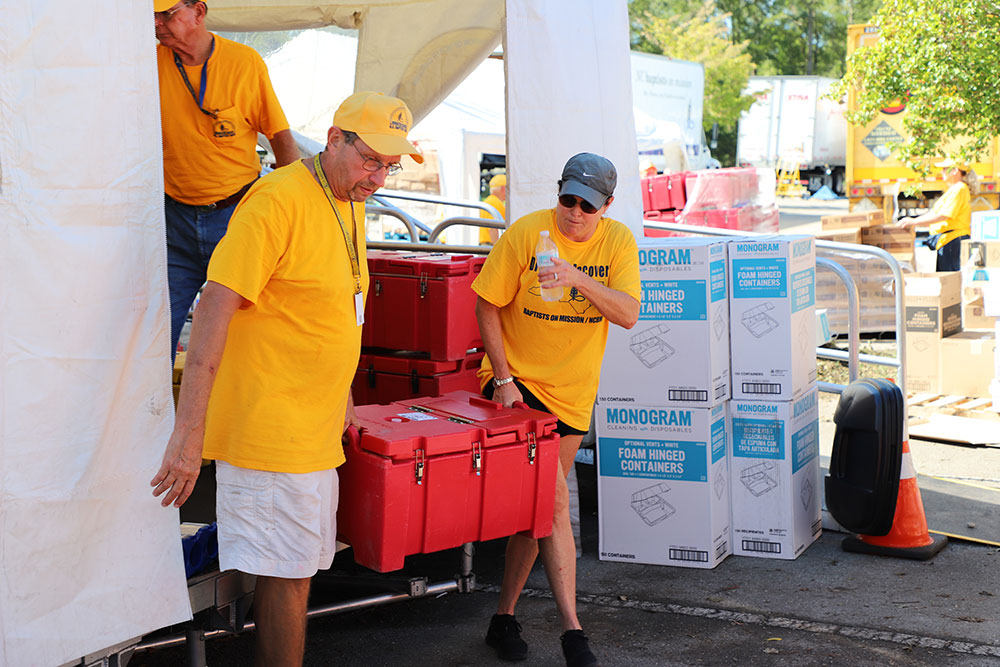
{"points": [[590, 177]]}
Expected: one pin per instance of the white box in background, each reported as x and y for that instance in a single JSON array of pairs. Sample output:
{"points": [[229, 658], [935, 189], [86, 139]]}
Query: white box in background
{"points": [[678, 352], [775, 476], [772, 304], [663, 485]]}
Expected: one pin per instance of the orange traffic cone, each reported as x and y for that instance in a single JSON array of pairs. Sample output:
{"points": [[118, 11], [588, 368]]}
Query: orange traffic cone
{"points": [[908, 537]]}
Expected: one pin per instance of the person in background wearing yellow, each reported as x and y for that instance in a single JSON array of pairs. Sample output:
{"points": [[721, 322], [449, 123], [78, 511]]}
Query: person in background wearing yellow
{"points": [[548, 354], [950, 218], [497, 199], [215, 96], [274, 347]]}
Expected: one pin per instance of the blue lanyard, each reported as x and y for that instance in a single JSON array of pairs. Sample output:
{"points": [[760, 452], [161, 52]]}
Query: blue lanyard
{"points": [[199, 99]]}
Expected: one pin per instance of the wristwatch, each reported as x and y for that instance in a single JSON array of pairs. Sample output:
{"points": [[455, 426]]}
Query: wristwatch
{"points": [[497, 382]]}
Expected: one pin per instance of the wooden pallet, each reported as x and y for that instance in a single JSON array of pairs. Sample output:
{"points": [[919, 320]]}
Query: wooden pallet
{"points": [[925, 405]]}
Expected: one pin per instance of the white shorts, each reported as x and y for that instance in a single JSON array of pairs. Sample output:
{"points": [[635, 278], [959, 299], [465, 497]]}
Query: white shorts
{"points": [[276, 524]]}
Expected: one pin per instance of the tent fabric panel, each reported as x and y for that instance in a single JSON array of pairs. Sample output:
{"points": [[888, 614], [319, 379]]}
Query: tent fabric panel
{"points": [[88, 557], [420, 52], [580, 101]]}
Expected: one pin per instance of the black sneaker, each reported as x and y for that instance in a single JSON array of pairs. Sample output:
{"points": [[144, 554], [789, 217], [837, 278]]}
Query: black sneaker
{"points": [[505, 636], [576, 649]]}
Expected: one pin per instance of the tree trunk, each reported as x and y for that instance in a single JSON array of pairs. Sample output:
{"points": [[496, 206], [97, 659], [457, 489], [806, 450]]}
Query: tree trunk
{"points": [[810, 40]]}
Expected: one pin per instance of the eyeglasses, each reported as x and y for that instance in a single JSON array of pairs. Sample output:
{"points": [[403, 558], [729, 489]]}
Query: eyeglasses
{"points": [[165, 16], [569, 201], [373, 165]]}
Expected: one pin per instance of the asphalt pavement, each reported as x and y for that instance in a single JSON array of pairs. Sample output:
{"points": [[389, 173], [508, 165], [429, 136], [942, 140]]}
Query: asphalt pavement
{"points": [[828, 607]]}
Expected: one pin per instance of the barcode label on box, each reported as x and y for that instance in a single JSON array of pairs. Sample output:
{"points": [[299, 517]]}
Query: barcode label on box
{"points": [[762, 546], [688, 555], [761, 388], [687, 395]]}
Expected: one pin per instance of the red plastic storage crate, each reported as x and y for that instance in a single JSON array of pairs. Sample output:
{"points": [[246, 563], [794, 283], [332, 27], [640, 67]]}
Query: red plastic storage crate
{"points": [[422, 302], [659, 192], [433, 474], [677, 185], [663, 192], [384, 378], [647, 195]]}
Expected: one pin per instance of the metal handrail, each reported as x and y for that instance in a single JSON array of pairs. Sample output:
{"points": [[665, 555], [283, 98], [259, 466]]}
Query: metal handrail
{"points": [[462, 220], [422, 246], [399, 215], [436, 199], [853, 321], [897, 274]]}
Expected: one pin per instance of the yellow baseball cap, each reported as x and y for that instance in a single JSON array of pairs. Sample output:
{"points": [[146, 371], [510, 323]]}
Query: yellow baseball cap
{"points": [[497, 181], [381, 121], [948, 163], [164, 5]]}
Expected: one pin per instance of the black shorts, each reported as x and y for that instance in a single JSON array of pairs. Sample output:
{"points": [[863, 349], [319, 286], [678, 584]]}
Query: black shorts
{"points": [[562, 428]]}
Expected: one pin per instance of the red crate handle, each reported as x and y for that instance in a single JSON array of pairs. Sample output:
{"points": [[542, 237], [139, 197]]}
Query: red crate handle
{"points": [[352, 436], [483, 402]]}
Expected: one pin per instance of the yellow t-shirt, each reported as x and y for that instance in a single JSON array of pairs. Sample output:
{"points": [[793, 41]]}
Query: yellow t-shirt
{"points": [[555, 347], [955, 205], [280, 392], [498, 204], [205, 160]]}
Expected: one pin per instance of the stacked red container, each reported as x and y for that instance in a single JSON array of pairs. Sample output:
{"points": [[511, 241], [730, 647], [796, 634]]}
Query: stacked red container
{"points": [[389, 377], [436, 473], [420, 335]]}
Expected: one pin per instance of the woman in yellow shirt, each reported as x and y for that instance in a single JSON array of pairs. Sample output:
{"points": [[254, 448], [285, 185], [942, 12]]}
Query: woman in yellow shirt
{"points": [[950, 217]]}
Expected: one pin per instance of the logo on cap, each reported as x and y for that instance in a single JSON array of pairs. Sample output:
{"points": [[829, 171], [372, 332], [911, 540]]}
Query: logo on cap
{"points": [[398, 120]]}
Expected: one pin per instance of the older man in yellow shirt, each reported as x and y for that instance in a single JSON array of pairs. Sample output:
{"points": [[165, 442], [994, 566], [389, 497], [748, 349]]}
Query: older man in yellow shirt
{"points": [[274, 348], [215, 96]]}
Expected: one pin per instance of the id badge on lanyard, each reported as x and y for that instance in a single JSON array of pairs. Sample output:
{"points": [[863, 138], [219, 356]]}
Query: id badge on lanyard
{"points": [[359, 297]]}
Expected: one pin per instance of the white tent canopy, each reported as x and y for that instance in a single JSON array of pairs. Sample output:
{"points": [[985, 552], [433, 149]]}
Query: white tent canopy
{"points": [[417, 50]]}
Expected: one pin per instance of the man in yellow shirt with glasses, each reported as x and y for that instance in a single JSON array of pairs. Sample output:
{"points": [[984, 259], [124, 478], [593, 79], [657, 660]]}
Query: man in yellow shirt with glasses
{"points": [[274, 347], [215, 96]]}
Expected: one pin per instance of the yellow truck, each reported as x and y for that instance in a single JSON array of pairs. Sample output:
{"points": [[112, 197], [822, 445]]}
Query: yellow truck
{"points": [[875, 178]]}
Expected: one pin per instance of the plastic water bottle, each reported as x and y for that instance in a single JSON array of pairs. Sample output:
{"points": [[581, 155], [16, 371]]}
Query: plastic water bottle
{"points": [[545, 252]]}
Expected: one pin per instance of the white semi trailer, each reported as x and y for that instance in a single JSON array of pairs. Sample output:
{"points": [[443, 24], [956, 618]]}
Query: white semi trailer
{"points": [[793, 122]]}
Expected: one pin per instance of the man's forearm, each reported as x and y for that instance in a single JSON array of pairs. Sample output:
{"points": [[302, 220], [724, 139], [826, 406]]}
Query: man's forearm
{"points": [[208, 340]]}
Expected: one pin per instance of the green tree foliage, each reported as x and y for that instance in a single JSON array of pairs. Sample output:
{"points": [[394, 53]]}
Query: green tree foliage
{"points": [[782, 36], [943, 59], [703, 36]]}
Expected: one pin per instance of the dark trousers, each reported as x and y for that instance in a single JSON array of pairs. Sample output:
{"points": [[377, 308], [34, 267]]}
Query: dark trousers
{"points": [[949, 255]]}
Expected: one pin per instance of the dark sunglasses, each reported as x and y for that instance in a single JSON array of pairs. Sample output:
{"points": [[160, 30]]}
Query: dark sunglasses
{"points": [[569, 201]]}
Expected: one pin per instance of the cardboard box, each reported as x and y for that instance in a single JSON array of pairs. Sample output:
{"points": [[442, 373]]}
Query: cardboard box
{"points": [[967, 363], [841, 235], [663, 485], [678, 352], [866, 219], [985, 226], [980, 254], [775, 476], [896, 241], [933, 310], [772, 302], [974, 315]]}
